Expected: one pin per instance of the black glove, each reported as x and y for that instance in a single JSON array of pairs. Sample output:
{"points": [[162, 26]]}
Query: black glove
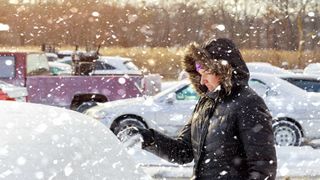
{"points": [[146, 134]]}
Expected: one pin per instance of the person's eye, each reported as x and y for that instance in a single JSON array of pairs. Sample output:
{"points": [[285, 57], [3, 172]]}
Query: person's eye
{"points": [[207, 72]]}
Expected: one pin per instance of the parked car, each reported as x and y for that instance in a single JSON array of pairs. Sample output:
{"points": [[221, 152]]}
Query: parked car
{"points": [[64, 53], [264, 67], [45, 142], [65, 60], [313, 68], [296, 112], [115, 65], [57, 68], [51, 57], [11, 92]]}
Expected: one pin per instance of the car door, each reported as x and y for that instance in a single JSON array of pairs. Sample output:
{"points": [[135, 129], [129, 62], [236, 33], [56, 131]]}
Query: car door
{"points": [[176, 110]]}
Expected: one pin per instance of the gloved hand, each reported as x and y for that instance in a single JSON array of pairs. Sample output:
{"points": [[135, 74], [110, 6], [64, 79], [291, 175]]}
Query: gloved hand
{"points": [[146, 134]]}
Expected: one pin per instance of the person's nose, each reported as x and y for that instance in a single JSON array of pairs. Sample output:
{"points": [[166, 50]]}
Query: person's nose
{"points": [[203, 80]]}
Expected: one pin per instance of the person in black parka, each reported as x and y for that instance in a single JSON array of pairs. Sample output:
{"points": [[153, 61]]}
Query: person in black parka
{"points": [[229, 135]]}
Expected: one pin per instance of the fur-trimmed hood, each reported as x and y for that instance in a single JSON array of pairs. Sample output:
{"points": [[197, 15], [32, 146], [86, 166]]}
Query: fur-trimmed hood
{"points": [[212, 55]]}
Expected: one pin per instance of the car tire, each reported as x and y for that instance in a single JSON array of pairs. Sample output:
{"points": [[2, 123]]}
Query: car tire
{"points": [[287, 133], [123, 129], [85, 105]]}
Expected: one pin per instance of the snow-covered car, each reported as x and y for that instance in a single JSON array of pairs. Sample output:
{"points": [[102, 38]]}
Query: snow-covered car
{"points": [[295, 111], [51, 57], [313, 68], [65, 60], [65, 53], [45, 142], [115, 65], [11, 92], [264, 67], [166, 111], [57, 68]]}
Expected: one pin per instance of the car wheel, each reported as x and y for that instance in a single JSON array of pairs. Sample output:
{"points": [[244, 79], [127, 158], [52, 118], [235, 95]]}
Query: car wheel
{"points": [[124, 128], [85, 105], [287, 133]]}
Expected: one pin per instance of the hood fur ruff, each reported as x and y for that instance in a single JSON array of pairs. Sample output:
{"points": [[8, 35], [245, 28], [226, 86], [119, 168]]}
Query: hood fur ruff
{"points": [[220, 56]]}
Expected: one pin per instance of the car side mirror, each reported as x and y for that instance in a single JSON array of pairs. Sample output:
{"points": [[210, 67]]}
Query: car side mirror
{"points": [[171, 98], [271, 92]]}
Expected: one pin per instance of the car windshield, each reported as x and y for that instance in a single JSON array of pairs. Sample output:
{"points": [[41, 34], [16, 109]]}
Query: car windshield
{"points": [[171, 89], [7, 66], [305, 84]]}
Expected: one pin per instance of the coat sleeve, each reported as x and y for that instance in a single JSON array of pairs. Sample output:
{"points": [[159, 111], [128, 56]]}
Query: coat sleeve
{"points": [[255, 131], [178, 150]]}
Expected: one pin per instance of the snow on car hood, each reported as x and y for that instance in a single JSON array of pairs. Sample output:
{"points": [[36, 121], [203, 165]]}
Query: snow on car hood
{"points": [[44, 142]]}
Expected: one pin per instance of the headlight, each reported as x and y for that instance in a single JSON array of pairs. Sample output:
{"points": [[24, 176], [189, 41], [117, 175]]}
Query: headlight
{"points": [[99, 114]]}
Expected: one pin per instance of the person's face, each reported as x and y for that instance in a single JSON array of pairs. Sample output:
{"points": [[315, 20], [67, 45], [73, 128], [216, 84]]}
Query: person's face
{"points": [[210, 80]]}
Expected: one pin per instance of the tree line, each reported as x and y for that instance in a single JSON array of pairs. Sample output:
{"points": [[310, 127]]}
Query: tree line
{"points": [[278, 24]]}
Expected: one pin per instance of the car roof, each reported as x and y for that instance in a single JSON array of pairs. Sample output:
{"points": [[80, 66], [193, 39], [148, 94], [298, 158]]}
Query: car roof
{"points": [[300, 76], [263, 67], [114, 58], [45, 141]]}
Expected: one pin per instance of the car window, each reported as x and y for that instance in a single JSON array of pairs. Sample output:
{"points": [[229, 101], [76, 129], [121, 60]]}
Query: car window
{"points": [[99, 65], [37, 64], [55, 70], [258, 86], [186, 93], [106, 66], [306, 84], [51, 59], [7, 66]]}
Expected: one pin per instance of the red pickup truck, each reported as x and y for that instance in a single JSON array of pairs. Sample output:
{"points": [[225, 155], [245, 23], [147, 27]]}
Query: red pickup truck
{"points": [[31, 70]]}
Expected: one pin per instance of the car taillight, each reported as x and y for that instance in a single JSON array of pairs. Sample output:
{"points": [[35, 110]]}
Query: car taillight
{"points": [[4, 96]]}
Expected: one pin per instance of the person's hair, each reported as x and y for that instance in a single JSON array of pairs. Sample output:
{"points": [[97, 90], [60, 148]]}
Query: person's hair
{"points": [[219, 67]]}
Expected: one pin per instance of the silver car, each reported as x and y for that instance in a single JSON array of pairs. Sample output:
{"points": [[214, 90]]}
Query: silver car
{"points": [[295, 111]]}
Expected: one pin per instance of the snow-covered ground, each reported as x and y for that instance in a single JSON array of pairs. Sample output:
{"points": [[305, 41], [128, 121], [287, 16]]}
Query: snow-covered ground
{"points": [[294, 162]]}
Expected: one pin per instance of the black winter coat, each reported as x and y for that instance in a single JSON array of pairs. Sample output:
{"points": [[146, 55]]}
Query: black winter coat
{"points": [[229, 136]]}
